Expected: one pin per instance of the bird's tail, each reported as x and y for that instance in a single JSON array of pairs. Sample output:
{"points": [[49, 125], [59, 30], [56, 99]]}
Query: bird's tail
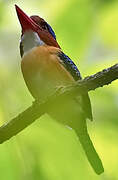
{"points": [[91, 153]]}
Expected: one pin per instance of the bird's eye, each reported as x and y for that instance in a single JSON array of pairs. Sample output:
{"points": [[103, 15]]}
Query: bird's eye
{"points": [[44, 27]]}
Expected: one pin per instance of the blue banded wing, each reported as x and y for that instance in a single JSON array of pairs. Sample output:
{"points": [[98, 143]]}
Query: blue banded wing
{"points": [[72, 68]]}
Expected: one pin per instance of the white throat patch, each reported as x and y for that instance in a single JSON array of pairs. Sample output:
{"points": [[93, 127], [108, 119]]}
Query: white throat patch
{"points": [[30, 40]]}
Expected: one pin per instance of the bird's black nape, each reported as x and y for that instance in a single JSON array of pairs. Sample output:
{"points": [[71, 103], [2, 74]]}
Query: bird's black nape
{"points": [[51, 31]]}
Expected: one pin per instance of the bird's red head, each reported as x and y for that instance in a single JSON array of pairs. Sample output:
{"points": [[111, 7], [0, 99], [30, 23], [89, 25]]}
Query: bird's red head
{"points": [[38, 25]]}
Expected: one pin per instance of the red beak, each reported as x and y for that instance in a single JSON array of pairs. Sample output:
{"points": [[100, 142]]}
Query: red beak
{"points": [[26, 22]]}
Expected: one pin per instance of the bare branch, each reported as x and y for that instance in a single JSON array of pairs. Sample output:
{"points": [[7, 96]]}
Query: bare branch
{"points": [[27, 117]]}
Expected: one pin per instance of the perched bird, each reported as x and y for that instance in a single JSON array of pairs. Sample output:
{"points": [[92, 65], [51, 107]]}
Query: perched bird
{"points": [[45, 69]]}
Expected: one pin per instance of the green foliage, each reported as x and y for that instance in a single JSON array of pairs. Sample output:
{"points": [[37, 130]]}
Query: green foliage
{"points": [[47, 150], [1, 10]]}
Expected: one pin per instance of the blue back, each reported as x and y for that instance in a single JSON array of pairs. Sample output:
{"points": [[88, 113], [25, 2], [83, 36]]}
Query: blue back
{"points": [[70, 66]]}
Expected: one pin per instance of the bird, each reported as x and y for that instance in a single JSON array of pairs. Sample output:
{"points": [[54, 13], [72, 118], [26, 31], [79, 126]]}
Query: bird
{"points": [[46, 69]]}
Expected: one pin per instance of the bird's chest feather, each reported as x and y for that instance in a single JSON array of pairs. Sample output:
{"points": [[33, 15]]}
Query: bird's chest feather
{"points": [[43, 72]]}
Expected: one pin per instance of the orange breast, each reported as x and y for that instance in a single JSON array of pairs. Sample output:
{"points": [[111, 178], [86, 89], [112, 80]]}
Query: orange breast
{"points": [[43, 72]]}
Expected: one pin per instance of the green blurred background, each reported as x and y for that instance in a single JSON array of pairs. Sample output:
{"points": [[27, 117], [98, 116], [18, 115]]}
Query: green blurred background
{"points": [[87, 31]]}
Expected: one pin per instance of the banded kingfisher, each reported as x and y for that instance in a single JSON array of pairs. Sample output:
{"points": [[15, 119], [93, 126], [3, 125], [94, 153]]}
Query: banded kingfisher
{"points": [[46, 68]]}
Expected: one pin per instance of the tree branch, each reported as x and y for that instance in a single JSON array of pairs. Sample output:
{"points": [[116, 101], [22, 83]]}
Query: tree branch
{"points": [[27, 117]]}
